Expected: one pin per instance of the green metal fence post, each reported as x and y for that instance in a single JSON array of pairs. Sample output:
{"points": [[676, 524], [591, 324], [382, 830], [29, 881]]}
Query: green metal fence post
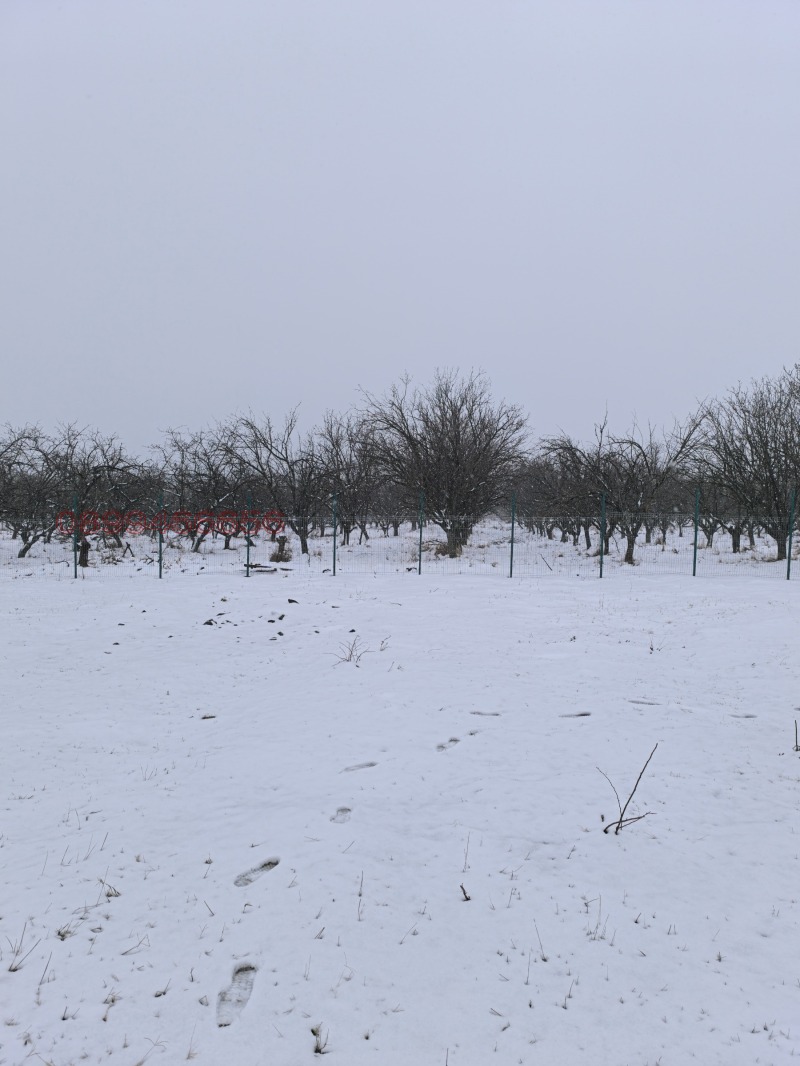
{"points": [[696, 524], [421, 520], [791, 535], [160, 534], [335, 537], [513, 524], [602, 532], [75, 536], [248, 525]]}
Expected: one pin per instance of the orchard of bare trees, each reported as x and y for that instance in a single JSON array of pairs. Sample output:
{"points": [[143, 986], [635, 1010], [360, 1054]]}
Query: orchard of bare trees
{"points": [[448, 450]]}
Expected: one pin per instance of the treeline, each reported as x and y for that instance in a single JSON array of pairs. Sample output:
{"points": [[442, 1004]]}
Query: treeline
{"points": [[449, 449]]}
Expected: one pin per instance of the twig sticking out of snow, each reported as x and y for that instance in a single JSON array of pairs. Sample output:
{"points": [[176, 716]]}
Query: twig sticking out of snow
{"points": [[622, 821]]}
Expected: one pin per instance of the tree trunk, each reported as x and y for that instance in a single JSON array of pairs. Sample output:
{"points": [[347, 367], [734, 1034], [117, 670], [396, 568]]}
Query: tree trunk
{"points": [[453, 547], [280, 555], [586, 536], [708, 529], [458, 531], [83, 553], [27, 543], [631, 543], [630, 535], [780, 540]]}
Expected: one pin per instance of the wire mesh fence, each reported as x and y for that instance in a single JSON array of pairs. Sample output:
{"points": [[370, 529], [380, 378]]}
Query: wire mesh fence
{"points": [[161, 544]]}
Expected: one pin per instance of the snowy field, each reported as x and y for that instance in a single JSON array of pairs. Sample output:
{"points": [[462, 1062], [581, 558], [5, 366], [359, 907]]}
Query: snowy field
{"points": [[227, 843]]}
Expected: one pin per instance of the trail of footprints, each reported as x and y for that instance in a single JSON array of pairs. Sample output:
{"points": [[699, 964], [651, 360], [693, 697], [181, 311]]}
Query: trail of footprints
{"points": [[439, 747], [455, 740], [232, 1000]]}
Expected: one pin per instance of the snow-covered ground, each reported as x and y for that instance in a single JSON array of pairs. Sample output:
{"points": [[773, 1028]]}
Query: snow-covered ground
{"points": [[249, 841]]}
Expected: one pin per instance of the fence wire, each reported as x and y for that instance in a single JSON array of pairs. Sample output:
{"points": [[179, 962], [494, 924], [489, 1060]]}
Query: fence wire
{"points": [[499, 545]]}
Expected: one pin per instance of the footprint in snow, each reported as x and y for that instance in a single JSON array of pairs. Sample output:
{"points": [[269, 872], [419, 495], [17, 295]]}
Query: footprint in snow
{"points": [[232, 1000], [449, 744], [249, 876], [358, 766], [342, 815]]}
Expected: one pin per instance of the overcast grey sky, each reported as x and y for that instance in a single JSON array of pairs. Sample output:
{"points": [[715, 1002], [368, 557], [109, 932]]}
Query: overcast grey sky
{"points": [[213, 205]]}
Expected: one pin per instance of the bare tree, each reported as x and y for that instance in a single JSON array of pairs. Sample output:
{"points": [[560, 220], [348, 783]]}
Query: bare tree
{"points": [[350, 460], [675, 501], [629, 470], [205, 477], [72, 469], [752, 451], [552, 494], [453, 443], [89, 465], [288, 467], [11, 461], [30, 486]]}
